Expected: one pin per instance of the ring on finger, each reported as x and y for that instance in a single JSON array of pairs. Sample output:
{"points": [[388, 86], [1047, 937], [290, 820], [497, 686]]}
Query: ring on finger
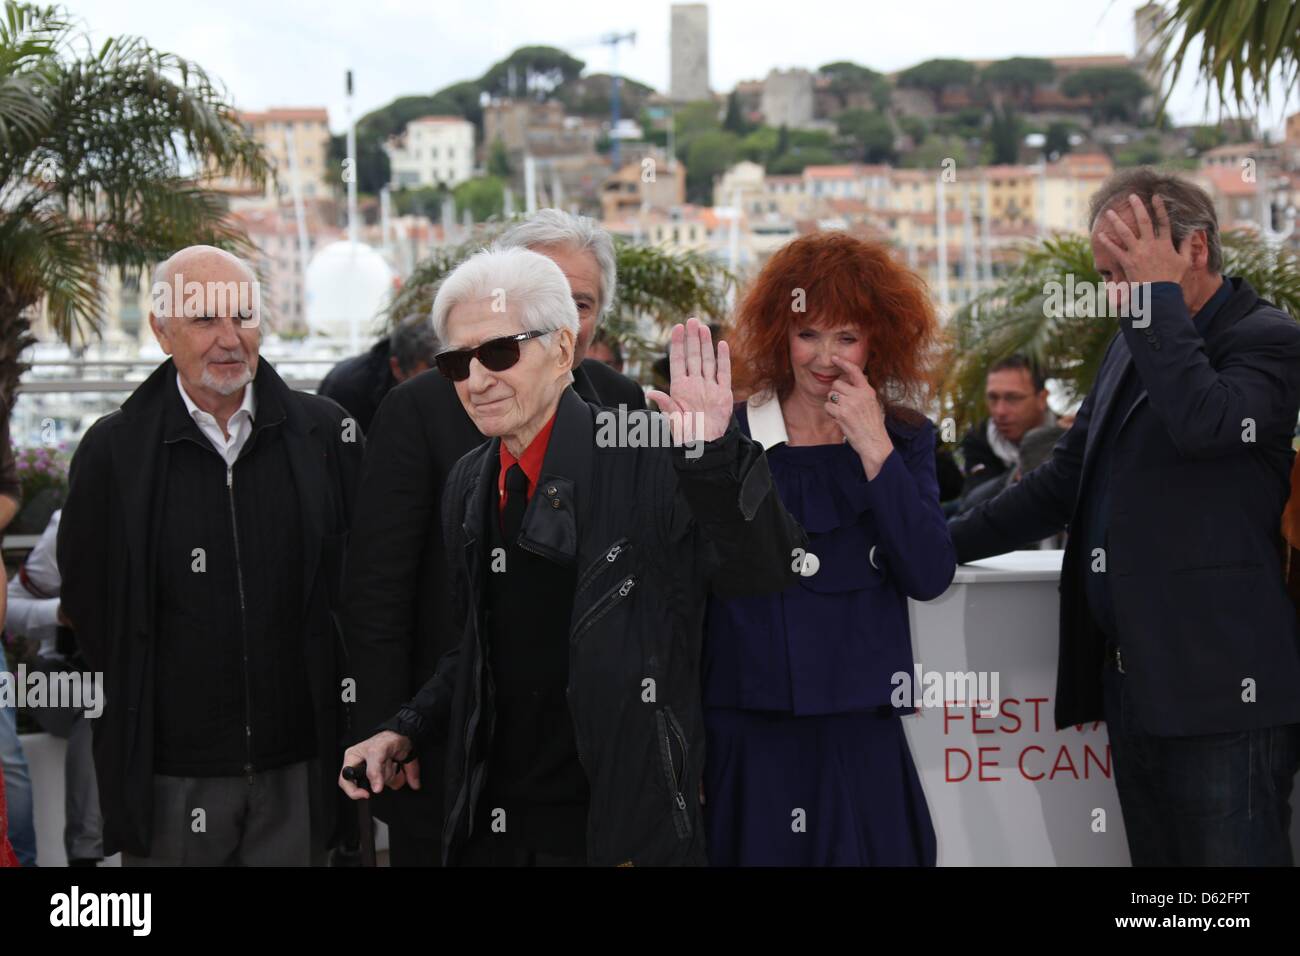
{"points": [[835, 398]]}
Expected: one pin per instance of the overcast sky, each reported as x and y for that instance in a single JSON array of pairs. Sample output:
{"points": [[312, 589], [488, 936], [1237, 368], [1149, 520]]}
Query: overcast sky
{"points": [[294, 52]]}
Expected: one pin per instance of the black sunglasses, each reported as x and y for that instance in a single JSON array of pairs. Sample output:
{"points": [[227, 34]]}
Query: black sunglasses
{"points": [[497, 355]]}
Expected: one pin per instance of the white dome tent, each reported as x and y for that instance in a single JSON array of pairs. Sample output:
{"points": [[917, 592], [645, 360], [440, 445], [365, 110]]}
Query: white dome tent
{"points": [[347, 285]]}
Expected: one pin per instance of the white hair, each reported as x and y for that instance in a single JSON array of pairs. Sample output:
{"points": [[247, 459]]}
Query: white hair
{"points": [[526, 284], [554, 227]]}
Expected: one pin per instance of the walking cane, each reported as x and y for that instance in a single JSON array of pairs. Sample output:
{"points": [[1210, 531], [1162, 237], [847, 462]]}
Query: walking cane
{"points": [[357, 775]]}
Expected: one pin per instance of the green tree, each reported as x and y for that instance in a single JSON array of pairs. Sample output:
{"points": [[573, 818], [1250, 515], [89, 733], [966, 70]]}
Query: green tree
{"points": [[848, 79], [1146, 151], [1014, 317], [1016, 79], [373, 129], [935, 76], [1058, 138], [98, 151], [1242, 44], [1005, 135], [734, 121], [914, 127], [871, 133], [1205, 138], [420, 201], [760, 145], [711, 153], [666, 286], [459, 99], [498, 160], [796, 159], [483, 196], [782, 140], [968, 123], [1115, 92], [932, 153], [537, 69]]}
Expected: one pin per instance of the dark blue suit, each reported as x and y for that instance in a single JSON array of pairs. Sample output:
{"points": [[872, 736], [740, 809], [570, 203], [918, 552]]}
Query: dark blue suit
{"points": [[1193, 557], [1176, 627]]}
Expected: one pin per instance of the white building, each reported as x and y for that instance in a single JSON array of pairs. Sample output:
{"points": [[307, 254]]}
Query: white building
{"points": [[432, 150]]}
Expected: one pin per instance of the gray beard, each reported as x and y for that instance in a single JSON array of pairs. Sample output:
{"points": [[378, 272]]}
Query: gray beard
{"points": [[226, 387]]}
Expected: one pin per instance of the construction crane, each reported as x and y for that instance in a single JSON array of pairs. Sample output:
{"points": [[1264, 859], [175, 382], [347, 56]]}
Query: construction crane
{"points": [[612, 40]]}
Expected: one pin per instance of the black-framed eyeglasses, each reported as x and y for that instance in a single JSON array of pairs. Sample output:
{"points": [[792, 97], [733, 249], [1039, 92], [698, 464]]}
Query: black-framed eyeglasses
{"points": [[497, 355]]}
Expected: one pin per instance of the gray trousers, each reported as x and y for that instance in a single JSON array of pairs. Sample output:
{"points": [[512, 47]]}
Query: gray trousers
{"points": [[82, 827], [228, 821]]}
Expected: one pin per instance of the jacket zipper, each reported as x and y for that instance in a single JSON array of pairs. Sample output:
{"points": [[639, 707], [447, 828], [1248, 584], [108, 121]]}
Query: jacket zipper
{"points": [[243, 626], [603, 606], [670, 732], [472, 724], [610, 556]]}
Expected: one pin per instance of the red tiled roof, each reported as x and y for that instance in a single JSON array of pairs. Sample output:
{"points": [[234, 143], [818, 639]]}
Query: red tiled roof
{"points": [[288, 114], [1228, 181]]}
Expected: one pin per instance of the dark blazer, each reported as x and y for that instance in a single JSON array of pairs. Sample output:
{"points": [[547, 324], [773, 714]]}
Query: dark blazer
{"points": [[396, 619], [979, 462], [359, 383], [106, 559], [1193, 557]]}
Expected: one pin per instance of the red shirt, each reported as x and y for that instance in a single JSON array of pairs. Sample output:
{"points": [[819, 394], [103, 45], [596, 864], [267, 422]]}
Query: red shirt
{"points": [[530, 462]]}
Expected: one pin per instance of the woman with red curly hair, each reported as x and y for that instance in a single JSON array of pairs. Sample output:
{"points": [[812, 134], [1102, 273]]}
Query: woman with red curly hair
{"points": [[807, 761]]}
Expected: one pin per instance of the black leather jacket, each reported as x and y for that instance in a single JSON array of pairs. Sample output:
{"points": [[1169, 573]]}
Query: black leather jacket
{"points": [[650, 532]]}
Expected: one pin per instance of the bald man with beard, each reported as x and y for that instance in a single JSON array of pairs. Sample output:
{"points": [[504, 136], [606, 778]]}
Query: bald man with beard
{"points": [[201, 552]]}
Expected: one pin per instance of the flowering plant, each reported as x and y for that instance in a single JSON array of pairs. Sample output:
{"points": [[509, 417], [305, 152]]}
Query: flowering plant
{"points": [[39, 468]]}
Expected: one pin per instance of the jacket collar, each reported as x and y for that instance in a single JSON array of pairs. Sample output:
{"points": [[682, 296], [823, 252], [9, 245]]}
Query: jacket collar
{"points": [[766, 423], [550, 525], [583, 385], [1242, 300], [138, 433], [148, 406]]}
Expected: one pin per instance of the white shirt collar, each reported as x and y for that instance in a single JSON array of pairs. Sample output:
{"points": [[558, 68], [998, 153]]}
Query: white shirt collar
{"points": [[766, 423], [249, 404]]}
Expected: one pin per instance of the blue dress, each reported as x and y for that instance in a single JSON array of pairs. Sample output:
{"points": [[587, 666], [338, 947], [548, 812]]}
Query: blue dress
{"points": [[807, 763]]}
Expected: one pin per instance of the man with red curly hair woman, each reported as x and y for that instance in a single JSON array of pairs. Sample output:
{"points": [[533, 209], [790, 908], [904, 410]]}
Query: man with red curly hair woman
{"points": [[807, 762]]}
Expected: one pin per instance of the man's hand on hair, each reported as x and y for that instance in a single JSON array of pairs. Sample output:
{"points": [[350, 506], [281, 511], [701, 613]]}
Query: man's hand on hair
{"points": [[1147, 253]]}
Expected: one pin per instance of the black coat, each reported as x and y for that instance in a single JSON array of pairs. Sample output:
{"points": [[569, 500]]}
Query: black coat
{"points": [[650, 533], [980, 462], [1193, 558], [360, 383], [106, 559], [396, 620]]}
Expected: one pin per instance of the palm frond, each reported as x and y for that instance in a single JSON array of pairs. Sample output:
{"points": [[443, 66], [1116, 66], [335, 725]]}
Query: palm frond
{"points": [[1017, 316], [1243, 44]]}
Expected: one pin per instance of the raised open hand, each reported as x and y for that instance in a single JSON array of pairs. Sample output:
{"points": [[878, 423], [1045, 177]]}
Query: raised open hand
{"points": [[699, 399]]}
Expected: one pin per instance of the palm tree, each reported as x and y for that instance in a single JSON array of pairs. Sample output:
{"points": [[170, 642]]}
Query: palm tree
{"points": [[1242, 43], [102, 152], [669, 286], [1013, 317]]}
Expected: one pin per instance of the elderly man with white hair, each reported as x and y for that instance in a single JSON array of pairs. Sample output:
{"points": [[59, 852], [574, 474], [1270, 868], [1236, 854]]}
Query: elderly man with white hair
{"points": [[201, 556], [396, 622], [580, 569]]}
